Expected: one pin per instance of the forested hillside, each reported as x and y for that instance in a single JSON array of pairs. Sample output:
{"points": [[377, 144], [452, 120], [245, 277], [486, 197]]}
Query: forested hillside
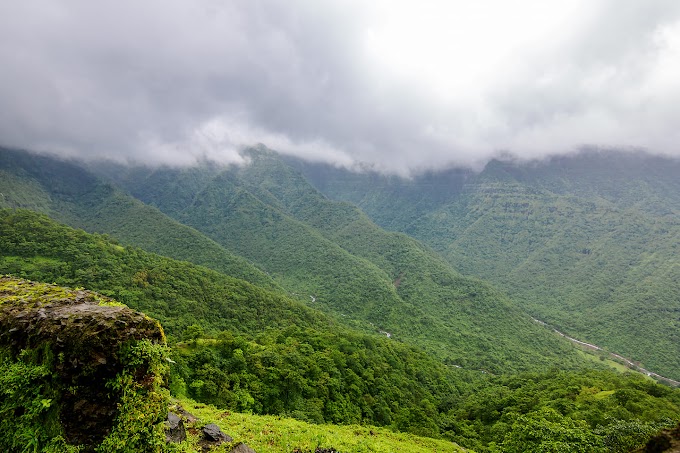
{"points": [[268, 347], [325, 226], [191, 301], [588, 243], [331, 254], [250, 349], [391, 201], [67, 192], [177, 293]]}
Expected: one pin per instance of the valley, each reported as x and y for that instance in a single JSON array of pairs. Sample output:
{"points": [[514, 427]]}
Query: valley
{"points": [[588, 243], [339, 226], [281, 294]]}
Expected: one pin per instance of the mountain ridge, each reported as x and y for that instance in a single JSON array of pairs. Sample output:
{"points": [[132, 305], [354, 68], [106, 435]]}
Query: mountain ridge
{"points": [[259, 208], [250, 348], [585, 242]]}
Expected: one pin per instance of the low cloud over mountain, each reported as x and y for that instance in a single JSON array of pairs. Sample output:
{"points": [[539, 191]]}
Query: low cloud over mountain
{"points": [[395, 85]]}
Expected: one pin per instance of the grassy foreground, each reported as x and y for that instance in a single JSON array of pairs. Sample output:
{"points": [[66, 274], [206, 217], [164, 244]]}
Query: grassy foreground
{"points": [[278, 434]]}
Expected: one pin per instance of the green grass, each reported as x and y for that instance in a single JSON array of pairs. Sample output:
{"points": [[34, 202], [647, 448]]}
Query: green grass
{"points": [[607, 362], [604, 394], [277, 434]]}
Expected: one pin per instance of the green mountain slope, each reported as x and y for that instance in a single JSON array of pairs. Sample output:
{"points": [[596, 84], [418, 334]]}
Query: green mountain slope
{"points": [[273, 355], [333, 255], [265, 352], [605, 270], [392, 202], [419, 275], [177, 293], [274, 434], [69, 193], [588, 243]]}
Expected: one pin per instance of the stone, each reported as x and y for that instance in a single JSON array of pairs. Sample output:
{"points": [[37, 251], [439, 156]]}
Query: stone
{"points": [[185, 414], [242, 448], [212, 437], [213, 433], [175, 432]]}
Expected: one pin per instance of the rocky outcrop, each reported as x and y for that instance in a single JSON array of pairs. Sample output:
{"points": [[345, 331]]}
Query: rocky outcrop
{"points": [[211, 435], [90, 345], [175, 431]]}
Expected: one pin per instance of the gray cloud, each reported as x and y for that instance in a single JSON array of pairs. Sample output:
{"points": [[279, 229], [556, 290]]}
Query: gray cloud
{"points": [[174, 80]]}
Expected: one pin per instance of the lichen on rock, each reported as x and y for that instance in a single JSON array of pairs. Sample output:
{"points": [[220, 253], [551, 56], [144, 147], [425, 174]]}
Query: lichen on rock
{"points": [[82, 372]]}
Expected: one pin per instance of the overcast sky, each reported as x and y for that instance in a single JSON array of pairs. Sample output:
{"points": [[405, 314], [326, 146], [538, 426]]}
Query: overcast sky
{"points": [[400, 85]]}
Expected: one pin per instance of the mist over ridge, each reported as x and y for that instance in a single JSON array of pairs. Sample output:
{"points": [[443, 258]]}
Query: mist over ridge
{"points": [[389, 86]]}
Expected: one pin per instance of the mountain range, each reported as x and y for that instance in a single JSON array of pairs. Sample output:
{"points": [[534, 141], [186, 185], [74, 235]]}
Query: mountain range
{"points": [[438, 280], [587, 243]]}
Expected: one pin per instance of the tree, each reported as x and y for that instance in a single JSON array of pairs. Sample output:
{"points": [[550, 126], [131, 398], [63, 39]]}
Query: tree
{"points": [[548, 431], [192, 333]]}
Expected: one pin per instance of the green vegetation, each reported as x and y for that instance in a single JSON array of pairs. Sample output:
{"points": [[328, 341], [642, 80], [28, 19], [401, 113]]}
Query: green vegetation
{"points": [[284, 435], [587, 243], [586, 411], [563, 411], [322, 377], [283, 360], [177, 293], [142, 410], [28, 416], [391, 201], [604, 271], [307, 310], [72, 195], [336, 259]]}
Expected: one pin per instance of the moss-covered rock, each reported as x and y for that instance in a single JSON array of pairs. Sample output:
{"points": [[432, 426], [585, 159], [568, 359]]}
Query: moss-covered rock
{"points": [[79, 372]]}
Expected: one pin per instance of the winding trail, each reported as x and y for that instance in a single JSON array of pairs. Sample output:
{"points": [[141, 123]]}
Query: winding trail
{"points": [[629, 363]]}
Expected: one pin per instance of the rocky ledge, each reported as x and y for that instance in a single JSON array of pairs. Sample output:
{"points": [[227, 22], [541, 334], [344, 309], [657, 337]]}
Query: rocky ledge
{"points": [[85, 352]]}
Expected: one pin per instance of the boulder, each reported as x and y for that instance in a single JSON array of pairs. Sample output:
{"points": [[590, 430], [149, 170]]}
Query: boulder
{"points": [[174, 431], [212, 437], [185, 414], [242, 448], [213, 433]]}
